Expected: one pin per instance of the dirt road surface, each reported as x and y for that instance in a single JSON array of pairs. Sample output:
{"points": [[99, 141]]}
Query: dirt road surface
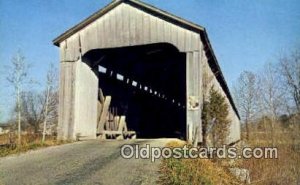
{"points": [[88, 162]]}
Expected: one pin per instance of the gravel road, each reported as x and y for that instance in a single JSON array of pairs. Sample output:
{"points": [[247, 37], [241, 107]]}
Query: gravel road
{"points": [[88, 162]]}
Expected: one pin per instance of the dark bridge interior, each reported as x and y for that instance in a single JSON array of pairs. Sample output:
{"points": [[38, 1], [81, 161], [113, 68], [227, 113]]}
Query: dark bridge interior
{"points": [[147, 85]]}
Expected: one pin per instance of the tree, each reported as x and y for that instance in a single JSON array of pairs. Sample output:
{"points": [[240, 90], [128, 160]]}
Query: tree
{"points": [[50, 96], [271, 96], [17, 76], [215, 118], [206, 87], [245, 94], [271, 91], [289, 68], [40, 108], [34, 105], [32, 109]]}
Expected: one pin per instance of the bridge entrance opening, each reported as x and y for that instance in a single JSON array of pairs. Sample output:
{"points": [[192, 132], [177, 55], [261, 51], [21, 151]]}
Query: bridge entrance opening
{"points": [[147, 85]]}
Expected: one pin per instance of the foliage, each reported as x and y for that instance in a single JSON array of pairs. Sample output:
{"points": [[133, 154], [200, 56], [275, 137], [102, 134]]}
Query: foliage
{"points": [[33, 109], [36, 106], [193, 171], [215, 116], [30, 142]]}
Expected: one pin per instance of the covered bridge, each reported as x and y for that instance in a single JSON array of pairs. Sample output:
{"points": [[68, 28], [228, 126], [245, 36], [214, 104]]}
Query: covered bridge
{"points": [[149, 62]]}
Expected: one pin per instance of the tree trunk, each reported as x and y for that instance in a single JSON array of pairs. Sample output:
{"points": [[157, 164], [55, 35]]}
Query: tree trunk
{"points": [[204, 134], [19, 116], [46, 113], [247, 129]]}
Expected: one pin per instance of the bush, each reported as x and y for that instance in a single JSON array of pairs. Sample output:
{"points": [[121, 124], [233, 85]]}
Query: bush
{"points": [[215, 109], [193, 171]]}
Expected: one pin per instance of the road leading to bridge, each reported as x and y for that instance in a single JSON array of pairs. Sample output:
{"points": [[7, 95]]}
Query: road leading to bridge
{"points": [[89, 162]]}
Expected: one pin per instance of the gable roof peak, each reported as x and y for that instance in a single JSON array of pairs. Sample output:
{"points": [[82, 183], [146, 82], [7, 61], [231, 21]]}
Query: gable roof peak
{"points": [[136, 4]]}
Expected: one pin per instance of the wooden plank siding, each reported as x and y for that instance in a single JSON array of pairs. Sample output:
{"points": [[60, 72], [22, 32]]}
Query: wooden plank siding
{"points": [[126, 25], [78, 92]]}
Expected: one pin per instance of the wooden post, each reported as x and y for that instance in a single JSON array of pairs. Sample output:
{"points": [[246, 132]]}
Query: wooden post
{"points": [[104, 113]]}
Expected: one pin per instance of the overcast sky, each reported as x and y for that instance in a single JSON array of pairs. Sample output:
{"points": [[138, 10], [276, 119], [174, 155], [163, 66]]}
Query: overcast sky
{"points": [[244, 33]]}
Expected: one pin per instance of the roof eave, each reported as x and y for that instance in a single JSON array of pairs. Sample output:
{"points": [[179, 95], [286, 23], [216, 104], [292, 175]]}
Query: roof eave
{"points": [[224, 84], [85, 22], [165, 15]]}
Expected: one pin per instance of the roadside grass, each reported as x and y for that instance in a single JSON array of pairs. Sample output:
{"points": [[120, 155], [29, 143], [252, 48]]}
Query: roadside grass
{"points": [[193, 171], [282, 171], [29, 142]]}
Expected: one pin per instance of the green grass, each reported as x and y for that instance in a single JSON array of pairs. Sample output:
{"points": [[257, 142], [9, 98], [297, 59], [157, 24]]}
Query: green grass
{"points": [[5, 151], [194, 171]]}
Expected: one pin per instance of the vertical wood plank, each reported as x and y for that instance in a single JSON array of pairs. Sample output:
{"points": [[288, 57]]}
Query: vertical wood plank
{"points": [[173, 31], [106, 30], [122, 124], [181, 39], [139, 27], [119, 25], [146, 29], [132, 26], [112, 30], [126, 24], [159, 30], [62, 51], [188, 41], [153, 29], [60, 129]]}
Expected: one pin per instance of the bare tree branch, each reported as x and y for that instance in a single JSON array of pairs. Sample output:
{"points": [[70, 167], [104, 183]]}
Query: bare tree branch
{"points": [[245, 93], [17, 76], [289, 68]]}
